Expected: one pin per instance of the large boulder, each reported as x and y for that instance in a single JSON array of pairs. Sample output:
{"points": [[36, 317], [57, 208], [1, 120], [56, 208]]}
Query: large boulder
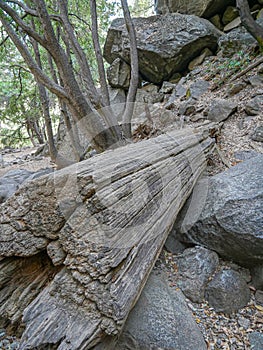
{"points": [[166, 44], [202, 8], [231, 221], [160, 320]]}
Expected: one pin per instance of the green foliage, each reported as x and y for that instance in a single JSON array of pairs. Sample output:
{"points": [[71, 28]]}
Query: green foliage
{"points": [[19, 98], [142, 8], [222, 69]]}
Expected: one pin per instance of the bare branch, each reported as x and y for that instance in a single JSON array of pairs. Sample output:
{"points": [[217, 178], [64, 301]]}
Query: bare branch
{"points": [[35, 70], [27, 29]]}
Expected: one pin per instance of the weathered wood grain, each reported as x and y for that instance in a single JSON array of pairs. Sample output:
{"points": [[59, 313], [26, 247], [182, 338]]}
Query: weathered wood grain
{"points": [[109, 217]]}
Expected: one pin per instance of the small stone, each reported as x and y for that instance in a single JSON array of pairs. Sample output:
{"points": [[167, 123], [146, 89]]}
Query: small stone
{"points": [[187, 107], [167, 87], [243, 322]]}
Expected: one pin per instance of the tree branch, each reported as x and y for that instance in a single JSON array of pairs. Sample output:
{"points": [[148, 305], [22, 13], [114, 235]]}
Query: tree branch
{"points": [[26, 28], [35, 70]]}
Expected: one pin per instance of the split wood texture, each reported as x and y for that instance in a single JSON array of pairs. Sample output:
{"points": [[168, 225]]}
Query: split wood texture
{"points": [[78, 246]]}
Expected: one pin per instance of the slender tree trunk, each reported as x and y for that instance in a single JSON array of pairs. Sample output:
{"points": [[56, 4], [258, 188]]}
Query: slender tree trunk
{"points": [[45, 105], [30, 132], [126, 120], [249, 23]]}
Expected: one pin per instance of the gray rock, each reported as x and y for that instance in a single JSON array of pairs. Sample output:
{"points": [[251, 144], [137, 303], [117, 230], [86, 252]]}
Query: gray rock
{"points": [[244, 322], [255, 105], [119, 74], [257, 276], [39, 173], [167, 87], [230, 14], [200, 59], [13, 179], [235, 88], [17, 175], [7, 189], [187, 107], [199, 88], [179, 92], [221, 109], [230, 220], [160, 320], [173, 245], [256, 340], [256, 81], [166, 44], [149, 94], [227, 292], [196, 266], [245, 155], [118, 100], [258, 134], [202, 8], [236, 40], [56, 253]]}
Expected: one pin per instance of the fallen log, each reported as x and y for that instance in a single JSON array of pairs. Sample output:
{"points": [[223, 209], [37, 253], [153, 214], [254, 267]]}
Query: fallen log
{"points": [[103, 223]]}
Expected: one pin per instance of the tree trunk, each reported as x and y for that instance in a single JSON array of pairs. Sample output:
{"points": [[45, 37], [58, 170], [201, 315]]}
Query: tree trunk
{"points": [[103, 222], [249, 23]]}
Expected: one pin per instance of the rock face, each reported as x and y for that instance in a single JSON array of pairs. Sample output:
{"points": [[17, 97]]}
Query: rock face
{"points": [[202, 8], [195, 267], [166, 44], [227, 292], [160, 320], [231, 222]]}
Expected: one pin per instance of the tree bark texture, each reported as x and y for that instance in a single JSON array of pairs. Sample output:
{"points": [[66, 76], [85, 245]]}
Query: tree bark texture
{"points": [[103, 223]]}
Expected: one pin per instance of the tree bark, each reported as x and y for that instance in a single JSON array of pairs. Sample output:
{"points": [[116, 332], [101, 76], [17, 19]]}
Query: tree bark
{"points": [[103, 222], [249, 23], [126, 120]]}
